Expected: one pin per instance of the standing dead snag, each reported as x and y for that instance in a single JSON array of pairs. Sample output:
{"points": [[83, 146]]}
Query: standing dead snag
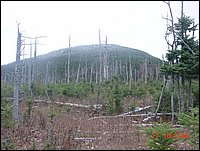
{"points": [[16, 79], [68, 64]]}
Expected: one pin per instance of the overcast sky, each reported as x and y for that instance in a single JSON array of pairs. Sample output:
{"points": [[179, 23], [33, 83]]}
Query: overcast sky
{"points": [[135, 24]]}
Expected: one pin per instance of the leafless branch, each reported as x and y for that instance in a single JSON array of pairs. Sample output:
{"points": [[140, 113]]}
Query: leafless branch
{"points": [[168, 41], [167, 18], [22, 49], [34, 43], [187, 45], [18, 24], [35, 37]]}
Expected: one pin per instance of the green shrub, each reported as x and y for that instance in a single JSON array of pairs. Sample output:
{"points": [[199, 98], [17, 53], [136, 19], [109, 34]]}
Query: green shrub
{"points": [[27, 114], [7, 146], [161, 137], [114, 96], [132, 106], [6, 114], [7, 90], [191, 122], [38, 89]]}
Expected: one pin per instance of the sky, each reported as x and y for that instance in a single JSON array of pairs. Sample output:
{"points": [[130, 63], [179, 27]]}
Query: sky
{"points": [[134, 24]]}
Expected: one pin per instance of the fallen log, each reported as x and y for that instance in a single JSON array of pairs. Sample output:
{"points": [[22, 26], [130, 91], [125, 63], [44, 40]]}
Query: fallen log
{"points": [[136, 115], [85, 139], [62, 103], [138, 109]]}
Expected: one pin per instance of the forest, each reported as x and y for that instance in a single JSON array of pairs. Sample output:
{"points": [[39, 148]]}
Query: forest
{"points": [[104, 96]]}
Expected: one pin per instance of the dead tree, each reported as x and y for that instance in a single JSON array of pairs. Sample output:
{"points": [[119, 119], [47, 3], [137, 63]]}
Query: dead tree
{"points": [[77, 76], [99, 37], [91, 73], [65, 78], [126, 68], [130, 72], [86, 71], [100, 67], [30, 67], [16, 79], [68, 73], [47, 73], [107, 63], [34, 62], [96, 70], [145, 70], [135, 75], [23, 66], [163, 88]]}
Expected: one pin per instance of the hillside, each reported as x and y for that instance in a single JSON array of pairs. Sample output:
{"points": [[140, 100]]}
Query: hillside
{"points": [[97, 63]]}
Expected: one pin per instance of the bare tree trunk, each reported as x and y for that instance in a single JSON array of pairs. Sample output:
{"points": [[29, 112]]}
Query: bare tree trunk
{"points": [[25, 74], [183, 92], [138, 74], [22, 69], [126, 72], [156, 72], [172, 26], [116, 68], [135, 75], [46, 75], [179, 93], [100, 76], [163, 88], [96, 73], [104, 66], [189, 102], [120, 67], [86, 72], [145, 69], [77, 76], [34, 63], [29, 73], [23, 66], [130, 74], [172, 106], [16, 80], [107, 63], [91, 72], [52, 75], [12, 77], [65, 77], [99, 37], [55, 74], [68, 73], [113, 68]]}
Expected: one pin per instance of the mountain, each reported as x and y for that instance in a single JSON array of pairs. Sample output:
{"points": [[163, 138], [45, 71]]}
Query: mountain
{"points": [[88, 63]]}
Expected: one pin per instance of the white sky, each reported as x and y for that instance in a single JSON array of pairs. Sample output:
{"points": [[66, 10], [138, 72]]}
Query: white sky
{"points": [[134, 24]]}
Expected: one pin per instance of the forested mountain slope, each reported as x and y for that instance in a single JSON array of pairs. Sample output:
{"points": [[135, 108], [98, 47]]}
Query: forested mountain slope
{"points": [[87, 63]]}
